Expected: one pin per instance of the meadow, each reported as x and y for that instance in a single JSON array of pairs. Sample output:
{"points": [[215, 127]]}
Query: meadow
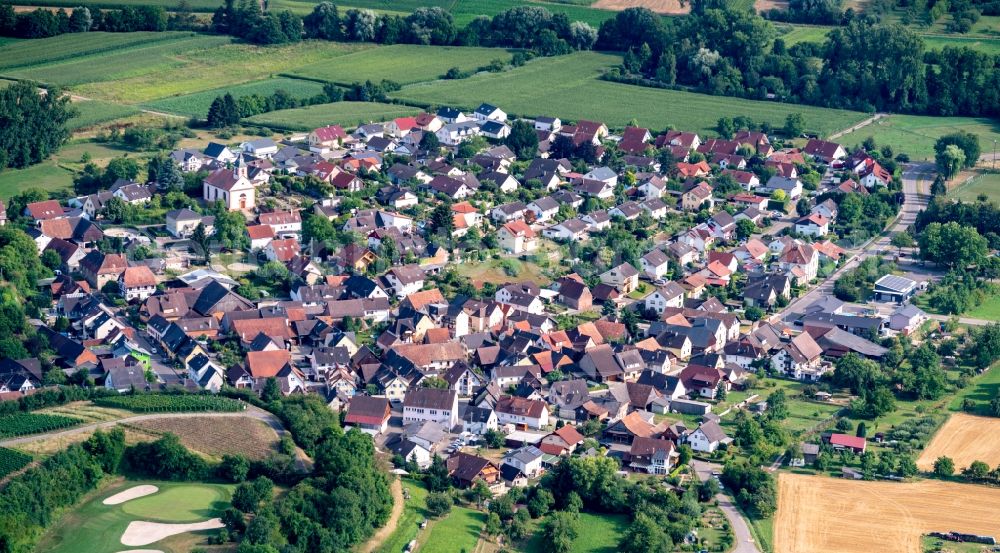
{"points": [[45, 176], [402, 63], [458, 531], [568, 87], [197, 104], [915, 134], [596, 533], [93, 527], [347, 114]]}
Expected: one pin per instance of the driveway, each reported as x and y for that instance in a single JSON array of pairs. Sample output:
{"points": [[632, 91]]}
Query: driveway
{"points": [[744, 539]]}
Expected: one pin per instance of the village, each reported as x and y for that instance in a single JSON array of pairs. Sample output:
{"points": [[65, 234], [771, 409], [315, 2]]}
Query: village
{"points": [[498, 293]]}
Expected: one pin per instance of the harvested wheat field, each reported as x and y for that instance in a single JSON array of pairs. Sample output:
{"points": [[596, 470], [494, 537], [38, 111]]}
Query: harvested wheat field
{"points": [[658, 6], [817, 514], [217, 436], [965, 438]]}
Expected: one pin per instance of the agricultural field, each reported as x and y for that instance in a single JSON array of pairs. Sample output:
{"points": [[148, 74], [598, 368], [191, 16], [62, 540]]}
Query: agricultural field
{"points": [[24, 53], [826, 515], [986, 183], [197, 104], [12, 461], [87, 411], [965, 438], [204, 67], [986, 45], [568, 87], [402, 63], [23, 424], [217, 436], [161, 403], [347, 114], [915, 134], [94, 112], [94, 527]]}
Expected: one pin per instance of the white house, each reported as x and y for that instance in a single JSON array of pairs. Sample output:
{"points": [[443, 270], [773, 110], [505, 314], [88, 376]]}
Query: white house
{"points": [[517, 237], [813, 224], [707, 437], [655, 264], [182, 222], [431, 404], [669, 295], [527, 413], [231, 187], [489, 112], [454, 134], [405, 279], [137, 283], [527, 459], [624, 277], [262, 147]]}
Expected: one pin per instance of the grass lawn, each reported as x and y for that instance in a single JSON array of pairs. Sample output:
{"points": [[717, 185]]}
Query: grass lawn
{"points": [[402, 63], [794, 34], [986, 183], [348, 114], [915, 134], [45, 176], [596, 533], [989, 310], [568, 87], [491, 271], [409, 523], [93, 527], [459, 531], [983, 388], [763, 532], [197, 104]]}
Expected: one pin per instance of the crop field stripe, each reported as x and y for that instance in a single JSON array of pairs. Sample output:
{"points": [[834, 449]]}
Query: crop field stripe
{"points": [[197, 104], [347, 114], [73, 45]]}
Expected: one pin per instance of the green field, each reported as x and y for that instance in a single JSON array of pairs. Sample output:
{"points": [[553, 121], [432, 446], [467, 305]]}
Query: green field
{"points": [[983, 388], [568, 87], [596, 533], [986, 183], [414, 513], [465, 11], [197, 104], [983, 44], [916, 134], [988, 310], [24, 53], [794, 34], [97, 528], [348, 114], [93, 112], [402, 63], [208, 67], [459, 531]]}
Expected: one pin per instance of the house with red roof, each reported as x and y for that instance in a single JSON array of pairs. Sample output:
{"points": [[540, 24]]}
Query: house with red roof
{"points": [[813, 224], [231, 187], [368, 414], [401, 126], [282, 250], [324, 139], [856, 444], [517, 237]]}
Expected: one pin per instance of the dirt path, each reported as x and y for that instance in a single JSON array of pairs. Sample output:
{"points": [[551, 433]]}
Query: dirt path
{"points": [[397, 511], [857, 126]]}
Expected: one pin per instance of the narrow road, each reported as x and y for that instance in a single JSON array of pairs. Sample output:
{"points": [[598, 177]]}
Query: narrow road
{"points": [[860, 125], [744, 542], [915, 200], [963, 320]]}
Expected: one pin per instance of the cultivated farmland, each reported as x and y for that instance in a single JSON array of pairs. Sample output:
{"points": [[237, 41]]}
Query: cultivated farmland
{"points": [[965, 438], [158, 403], [826, 515], [916, 134], [12, 461], [402, 63], [568, 87], [45, 50], [197, 104], [22, 424], [94, 112], [348, 114], [217, 436]]}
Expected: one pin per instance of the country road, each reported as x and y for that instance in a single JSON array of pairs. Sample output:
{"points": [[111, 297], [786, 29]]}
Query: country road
{"points": [[744, 542], [915, 199], [860, 125]]}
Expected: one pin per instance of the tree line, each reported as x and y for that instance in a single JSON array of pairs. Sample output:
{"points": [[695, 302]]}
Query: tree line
{"points": [[42, 23]]}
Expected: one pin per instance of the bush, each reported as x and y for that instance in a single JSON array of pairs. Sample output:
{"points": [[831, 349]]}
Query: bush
{"points": [[439, 504], [166, 459]]}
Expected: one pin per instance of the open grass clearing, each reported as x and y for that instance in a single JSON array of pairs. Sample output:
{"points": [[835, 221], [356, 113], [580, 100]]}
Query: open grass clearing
{"points": [[596, 533], [402, 63], [915, 134], [347, 114], [826, 515], [197, 104], [965, 438], [984, 183], [983, 388], [201, 68], [568, 87], [458, 531], [46, 176], [989, 310], [93, 527], [492, 270], [217, 436]]}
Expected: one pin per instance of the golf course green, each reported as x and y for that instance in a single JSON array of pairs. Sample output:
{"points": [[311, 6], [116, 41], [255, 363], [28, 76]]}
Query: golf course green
{"points": [[94, 527]]}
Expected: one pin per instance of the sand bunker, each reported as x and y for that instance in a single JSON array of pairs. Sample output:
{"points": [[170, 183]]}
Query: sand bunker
{"points": [[142, 551], [144, 533], [131, 493]]}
